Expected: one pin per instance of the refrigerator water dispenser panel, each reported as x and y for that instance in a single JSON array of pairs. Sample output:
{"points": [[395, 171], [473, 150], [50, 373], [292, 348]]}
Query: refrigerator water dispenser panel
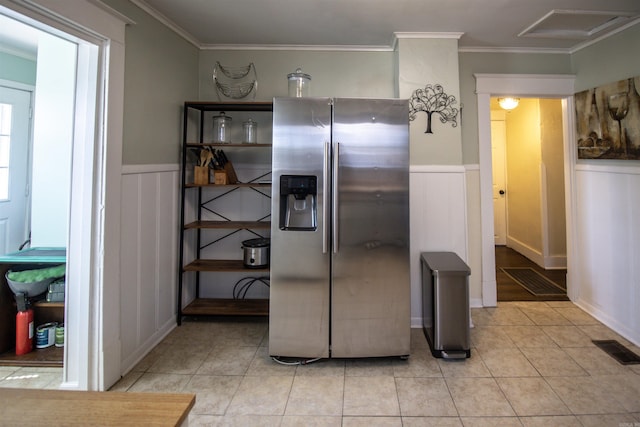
{"points": [[298, 202]]}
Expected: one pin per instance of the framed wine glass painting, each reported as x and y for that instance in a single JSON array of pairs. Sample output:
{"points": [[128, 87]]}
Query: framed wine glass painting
{"points": [[608, 121]]}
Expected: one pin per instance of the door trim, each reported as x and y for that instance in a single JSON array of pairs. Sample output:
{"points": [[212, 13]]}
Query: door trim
{"points": [[92, 343], [531, 85], [500, 116]]}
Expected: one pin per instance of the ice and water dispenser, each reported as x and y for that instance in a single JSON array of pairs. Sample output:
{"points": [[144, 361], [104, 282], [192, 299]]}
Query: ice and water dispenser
{"points": [[298, 202]]}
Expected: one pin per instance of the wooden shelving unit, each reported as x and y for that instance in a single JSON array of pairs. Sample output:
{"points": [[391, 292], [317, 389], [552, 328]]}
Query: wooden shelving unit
{"points": [[51, 357], [242, 184], [208, 144], [44, 312], [260, 228], [220, 265], [229, 224], [227, 307]]}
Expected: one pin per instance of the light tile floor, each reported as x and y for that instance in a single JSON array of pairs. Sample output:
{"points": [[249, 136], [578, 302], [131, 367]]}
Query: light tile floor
{"points": [[532, 364]]}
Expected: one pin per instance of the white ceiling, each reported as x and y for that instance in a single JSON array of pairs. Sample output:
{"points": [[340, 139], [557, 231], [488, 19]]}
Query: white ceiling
{"points": [[485, 24], [517, 25]]}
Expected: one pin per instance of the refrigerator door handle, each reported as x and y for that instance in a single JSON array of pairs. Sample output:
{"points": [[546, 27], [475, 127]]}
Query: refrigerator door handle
{"points": [[326, 168], [334, 196]]}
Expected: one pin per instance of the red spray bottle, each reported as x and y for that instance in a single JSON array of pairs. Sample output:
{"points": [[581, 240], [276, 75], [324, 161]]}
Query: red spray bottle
{"points": [[24, 326]]}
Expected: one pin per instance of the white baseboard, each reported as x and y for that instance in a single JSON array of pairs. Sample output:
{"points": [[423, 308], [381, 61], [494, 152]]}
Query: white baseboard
{"points": [[130, 362], [620, 328], [416, 322], [533, 254], [555, 262], [552, 262], [475, 303]]}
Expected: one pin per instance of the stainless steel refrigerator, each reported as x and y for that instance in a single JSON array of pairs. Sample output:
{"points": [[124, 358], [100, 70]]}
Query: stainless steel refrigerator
{"points": [[340, 228]]}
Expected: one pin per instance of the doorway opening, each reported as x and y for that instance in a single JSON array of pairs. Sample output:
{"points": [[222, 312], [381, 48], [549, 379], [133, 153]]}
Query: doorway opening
{"points": [[37, 139], [92, 323], [529, 200], [535, 86]]}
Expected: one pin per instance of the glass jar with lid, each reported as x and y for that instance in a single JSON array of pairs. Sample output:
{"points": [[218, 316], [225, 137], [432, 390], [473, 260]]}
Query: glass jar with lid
{"points": [[249, 131], [299, 84], [222, 129]]}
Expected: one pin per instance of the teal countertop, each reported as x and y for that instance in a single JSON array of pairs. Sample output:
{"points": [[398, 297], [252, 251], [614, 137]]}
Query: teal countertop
{"points": [[36, 255]]}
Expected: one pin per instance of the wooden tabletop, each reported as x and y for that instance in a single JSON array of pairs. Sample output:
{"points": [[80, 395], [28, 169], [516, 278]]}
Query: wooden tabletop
{"points": [[28, 407]]}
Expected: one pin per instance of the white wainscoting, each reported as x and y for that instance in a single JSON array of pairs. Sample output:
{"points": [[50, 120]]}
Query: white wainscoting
{"points": [[608, 245], [438, 215], [150, 200], [148, 258]]}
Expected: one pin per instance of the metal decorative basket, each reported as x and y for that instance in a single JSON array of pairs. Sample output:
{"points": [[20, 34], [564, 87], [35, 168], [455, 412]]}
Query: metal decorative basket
{"points": [[233, 82], [233, 72], [235, 90]]}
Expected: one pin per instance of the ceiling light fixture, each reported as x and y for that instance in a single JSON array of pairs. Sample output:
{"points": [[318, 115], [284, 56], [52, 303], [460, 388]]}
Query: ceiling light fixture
{"points": [[508, 103]]}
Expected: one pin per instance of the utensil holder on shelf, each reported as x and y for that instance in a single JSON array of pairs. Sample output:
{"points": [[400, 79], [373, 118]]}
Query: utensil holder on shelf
{"points": [[201, 175], [227, 175], [220, 177]]}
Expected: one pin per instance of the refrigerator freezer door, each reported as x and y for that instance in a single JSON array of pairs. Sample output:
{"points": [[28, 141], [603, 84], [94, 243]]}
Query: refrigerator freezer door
{"points": [[370, 266], [299, 296]]}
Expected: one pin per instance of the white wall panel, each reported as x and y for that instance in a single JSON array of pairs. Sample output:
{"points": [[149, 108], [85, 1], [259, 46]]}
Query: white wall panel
{"points": [[474, 234], [608, 236], [167, 250], [148, 257], [129, 265], [438, 220]]}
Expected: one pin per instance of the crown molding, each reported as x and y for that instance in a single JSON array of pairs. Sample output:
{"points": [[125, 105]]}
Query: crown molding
{"points": [[422, 35], [561, 51], [167, 22], [99, 4], [427, 35], [330, 48], [604, 36]]}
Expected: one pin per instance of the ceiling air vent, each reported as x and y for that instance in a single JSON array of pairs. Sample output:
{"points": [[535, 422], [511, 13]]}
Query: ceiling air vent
{"points": [[576, 24]]}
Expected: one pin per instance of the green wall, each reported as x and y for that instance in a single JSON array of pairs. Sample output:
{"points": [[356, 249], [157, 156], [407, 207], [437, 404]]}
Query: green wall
{"points": [[345, 74], [161, 72], [497, 63], [609, 60], [612, 59], [17, 69]]}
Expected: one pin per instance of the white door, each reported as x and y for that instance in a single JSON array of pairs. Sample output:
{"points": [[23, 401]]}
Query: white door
{"points": [[15, 105], [498, 153]]}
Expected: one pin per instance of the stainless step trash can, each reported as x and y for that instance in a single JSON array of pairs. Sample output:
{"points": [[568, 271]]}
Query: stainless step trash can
{"points": [[445, 304]]}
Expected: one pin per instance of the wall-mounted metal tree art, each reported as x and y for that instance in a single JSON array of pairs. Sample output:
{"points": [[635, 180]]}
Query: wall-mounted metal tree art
{"points": [[432, 99]]}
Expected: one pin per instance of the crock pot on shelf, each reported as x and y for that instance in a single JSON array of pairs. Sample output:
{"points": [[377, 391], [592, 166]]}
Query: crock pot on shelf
{"points": [[256, 252]]}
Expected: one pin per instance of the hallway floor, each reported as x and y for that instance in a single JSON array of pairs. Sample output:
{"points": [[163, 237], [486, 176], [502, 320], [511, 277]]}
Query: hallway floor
{"points": [[532, 364], [510, 290]]}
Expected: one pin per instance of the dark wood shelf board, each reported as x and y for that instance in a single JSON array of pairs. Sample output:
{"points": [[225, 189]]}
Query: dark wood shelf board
{"points": [[227, 307], [40, 357], [48, 304], [220, 265], [242, 145], [44, 304], [229, 224], [239, 184], [229, 106]]}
